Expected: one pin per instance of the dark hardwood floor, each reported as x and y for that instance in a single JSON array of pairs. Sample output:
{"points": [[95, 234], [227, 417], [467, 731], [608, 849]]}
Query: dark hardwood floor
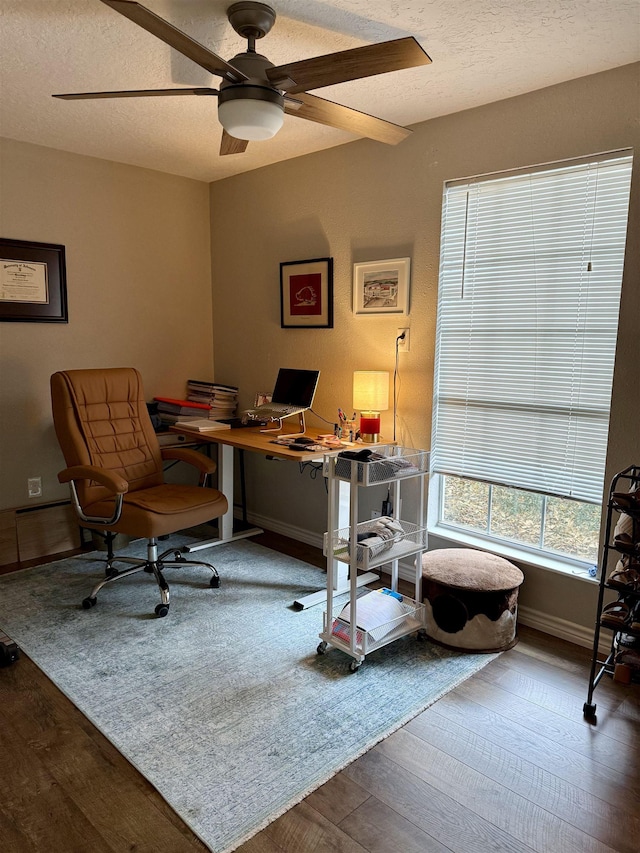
{"points": [[503, 763]]}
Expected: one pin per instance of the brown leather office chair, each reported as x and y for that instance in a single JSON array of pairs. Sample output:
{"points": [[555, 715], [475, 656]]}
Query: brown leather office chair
{"points": [[116, 476]]}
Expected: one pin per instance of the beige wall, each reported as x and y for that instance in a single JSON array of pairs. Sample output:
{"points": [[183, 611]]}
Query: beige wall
{"points": [[139, 291], [366, 201]]}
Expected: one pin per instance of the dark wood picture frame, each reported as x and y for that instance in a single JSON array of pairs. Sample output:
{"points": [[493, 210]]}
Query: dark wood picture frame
{"points": [[33, 282], [306, 294]]}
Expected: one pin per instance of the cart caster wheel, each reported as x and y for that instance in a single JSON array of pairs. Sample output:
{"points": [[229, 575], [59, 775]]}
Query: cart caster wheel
{"points": [[214, 583], [422, 635], [89, 602], [589, 712], [355, 665], [322, 648], [162, 609]]}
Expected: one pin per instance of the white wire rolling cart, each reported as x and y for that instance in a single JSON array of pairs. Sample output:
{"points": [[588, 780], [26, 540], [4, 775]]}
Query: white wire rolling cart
{"points": [[384, 618]]}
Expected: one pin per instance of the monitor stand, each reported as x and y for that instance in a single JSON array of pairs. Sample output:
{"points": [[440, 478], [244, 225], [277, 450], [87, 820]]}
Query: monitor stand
{"points": [[278, 428]]}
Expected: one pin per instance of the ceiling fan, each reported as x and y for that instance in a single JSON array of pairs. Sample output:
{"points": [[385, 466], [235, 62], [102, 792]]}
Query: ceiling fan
{"points": [[255, 94]]}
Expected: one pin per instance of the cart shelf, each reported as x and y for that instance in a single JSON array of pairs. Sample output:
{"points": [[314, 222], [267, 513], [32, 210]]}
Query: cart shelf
{"points": [[403, 544], [387, 464], [411, 619]]}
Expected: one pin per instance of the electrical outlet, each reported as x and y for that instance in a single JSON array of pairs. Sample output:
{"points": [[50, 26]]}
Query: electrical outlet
{"points": [[403, 345], [34, 487]]}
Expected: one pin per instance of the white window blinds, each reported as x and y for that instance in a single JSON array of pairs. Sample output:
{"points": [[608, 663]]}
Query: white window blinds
{"points": [[529, 291]]}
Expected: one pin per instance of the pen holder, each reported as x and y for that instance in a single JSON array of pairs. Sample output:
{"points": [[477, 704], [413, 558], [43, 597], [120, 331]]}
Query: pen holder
{"points": [[347, 430]]}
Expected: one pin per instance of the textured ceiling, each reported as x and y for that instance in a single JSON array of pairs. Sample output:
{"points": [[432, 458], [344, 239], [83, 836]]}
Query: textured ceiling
{"points": [[482, 51]]}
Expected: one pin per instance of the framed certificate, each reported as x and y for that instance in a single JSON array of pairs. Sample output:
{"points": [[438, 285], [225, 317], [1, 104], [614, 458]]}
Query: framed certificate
{"points": [[33, 285]]}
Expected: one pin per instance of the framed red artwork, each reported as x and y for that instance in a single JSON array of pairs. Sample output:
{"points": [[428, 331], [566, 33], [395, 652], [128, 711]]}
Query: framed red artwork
{"points": [[306, 294]]}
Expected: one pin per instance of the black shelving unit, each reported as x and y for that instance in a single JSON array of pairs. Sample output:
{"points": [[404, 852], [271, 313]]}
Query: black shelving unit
{"points": [[623, 486]]}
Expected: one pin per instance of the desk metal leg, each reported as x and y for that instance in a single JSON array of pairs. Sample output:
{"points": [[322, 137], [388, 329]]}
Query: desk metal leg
{"points": [[225, 522], [341, 583], [243, 486], [341, 586]]}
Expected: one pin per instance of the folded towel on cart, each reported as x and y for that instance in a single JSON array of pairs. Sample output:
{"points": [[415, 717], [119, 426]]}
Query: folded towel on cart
{"points": [[380, 535]]}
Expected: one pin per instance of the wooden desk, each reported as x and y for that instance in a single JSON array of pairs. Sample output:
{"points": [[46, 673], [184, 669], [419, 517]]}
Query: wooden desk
{"points": [[251, 439]]}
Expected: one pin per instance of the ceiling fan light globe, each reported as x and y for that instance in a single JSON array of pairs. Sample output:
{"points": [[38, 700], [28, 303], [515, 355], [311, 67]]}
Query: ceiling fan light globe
{"points": [[249, 119]]}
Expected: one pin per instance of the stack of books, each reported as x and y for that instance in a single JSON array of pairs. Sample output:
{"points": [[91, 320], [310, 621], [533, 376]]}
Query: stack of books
{"points": [[170, 410], [222, 400]]}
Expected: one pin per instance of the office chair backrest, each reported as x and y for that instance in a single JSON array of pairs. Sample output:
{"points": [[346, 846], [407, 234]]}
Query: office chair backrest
{"points": [[101, 418]]}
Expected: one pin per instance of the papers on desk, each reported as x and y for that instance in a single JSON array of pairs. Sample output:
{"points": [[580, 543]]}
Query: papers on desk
{"points": [[201, 424], [315, 447]]}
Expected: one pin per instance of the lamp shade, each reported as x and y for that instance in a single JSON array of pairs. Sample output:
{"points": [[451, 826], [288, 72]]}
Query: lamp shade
{"points": [[371, 390], [250, 112]]}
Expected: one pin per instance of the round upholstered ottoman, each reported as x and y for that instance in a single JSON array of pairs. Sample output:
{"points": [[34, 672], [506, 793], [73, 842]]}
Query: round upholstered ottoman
{"points": [[471, 599]]}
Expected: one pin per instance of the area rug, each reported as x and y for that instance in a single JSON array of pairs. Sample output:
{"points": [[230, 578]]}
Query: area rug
{"points": [[224, 705]]}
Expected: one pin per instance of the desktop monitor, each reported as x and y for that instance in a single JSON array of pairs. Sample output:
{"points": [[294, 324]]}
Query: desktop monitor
{"points": [[295, 387]]}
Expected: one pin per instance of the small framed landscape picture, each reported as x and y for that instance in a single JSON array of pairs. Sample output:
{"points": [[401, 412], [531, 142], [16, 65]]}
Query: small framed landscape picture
{"points": [[306, 294], [381, 287]]}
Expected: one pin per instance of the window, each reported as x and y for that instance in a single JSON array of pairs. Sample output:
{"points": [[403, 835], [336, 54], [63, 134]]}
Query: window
{"points": [[529, 291]]}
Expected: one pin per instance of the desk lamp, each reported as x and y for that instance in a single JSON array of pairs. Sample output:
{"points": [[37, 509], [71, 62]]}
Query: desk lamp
{"points": [[370, 396]]}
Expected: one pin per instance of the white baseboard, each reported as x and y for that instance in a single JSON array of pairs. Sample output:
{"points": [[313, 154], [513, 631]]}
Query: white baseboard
{"points": [[562, 628], [297, 533]]}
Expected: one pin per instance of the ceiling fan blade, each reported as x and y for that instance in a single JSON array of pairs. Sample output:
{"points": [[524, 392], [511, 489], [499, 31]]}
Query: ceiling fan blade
{"points": [[135, 93], [326, 112], [176, 39], [348, 65], [230, 145]]}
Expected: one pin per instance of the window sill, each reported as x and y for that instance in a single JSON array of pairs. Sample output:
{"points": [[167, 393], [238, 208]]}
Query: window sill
{"points": [[512, 552]]}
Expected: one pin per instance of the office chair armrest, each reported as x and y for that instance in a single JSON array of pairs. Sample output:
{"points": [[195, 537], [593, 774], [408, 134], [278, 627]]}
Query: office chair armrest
{"points": [[198, 460], [191, 457], [117, 485], [108, 479]]}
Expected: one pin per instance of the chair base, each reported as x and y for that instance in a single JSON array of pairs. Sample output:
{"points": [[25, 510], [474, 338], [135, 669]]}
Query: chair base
{"points": [[154, 564]]}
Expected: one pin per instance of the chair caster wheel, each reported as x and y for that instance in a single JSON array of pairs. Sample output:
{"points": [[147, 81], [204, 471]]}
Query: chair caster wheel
{"points": [[89, 602], [162, 609], [214, 582], [589, 712], [111, 573]]}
